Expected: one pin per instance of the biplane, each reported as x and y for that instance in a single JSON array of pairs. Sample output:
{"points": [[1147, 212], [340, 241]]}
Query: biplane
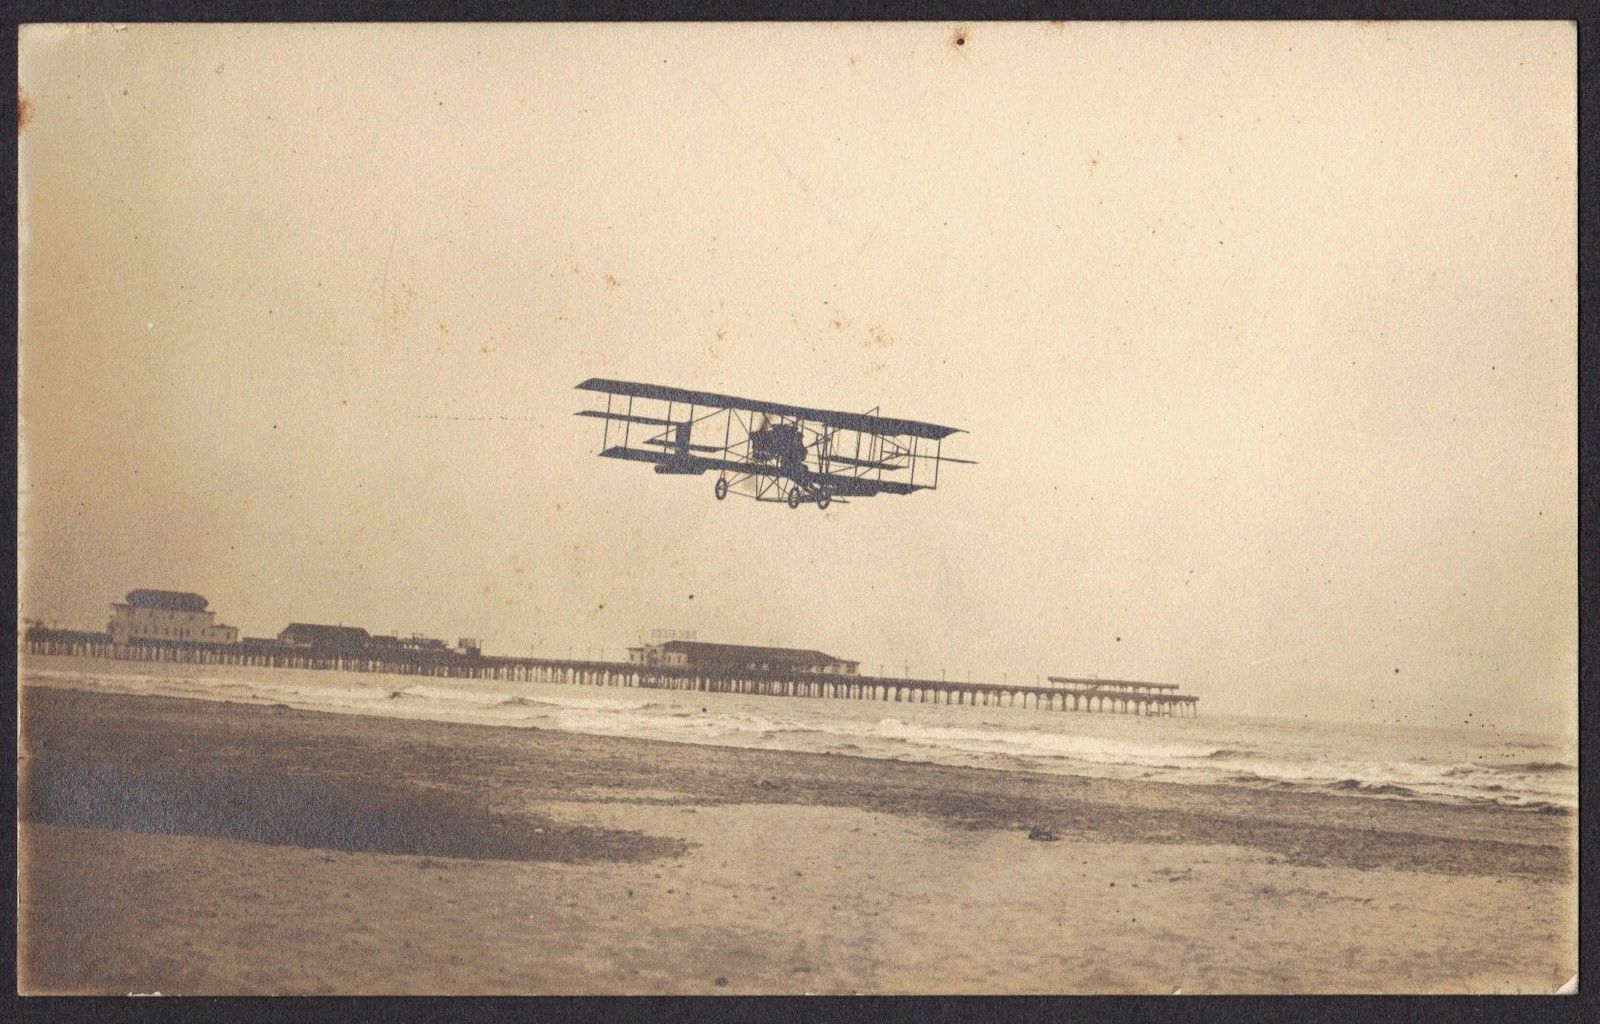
{"points": [[768, 451]]}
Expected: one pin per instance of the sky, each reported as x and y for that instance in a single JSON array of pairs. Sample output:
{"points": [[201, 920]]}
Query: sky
{"points": [[1264, 338]]}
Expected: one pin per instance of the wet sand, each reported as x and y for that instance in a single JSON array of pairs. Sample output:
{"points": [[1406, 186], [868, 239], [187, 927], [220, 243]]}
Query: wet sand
{"points": [[204, 847]]}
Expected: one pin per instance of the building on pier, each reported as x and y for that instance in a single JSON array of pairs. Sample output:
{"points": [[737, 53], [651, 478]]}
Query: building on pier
{"points": [[723, 658], [167, 615], [354, 642], [379, 645], [325, 641], [1124, 695], [1095, 685]]}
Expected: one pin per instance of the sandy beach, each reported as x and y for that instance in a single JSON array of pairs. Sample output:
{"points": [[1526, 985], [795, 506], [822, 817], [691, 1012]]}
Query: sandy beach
{"points": [[206, 847]]}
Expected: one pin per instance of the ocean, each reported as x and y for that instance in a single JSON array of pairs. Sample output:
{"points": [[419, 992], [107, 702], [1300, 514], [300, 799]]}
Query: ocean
{"points": [[1529, 771]]}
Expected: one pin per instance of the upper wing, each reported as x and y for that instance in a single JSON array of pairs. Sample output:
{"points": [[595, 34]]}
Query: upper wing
{"points": [[885, 425]]}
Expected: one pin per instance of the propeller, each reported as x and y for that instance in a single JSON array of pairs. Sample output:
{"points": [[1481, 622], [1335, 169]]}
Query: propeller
{"points": [[760, 427], [746, 486], [773, 446], [823, 445]]}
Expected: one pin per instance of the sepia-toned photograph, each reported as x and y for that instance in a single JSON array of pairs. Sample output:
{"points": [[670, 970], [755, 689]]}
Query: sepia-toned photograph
{"points": [[787, 509]]}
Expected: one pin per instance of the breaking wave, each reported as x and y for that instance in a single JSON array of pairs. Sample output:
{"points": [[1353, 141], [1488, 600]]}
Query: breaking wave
{"points": [[1463, 767], [1375, 788]]}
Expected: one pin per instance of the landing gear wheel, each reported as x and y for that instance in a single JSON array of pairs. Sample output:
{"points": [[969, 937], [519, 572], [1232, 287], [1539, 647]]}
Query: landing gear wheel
{"points": [[794, 497], [823, 501], [722, 487]]}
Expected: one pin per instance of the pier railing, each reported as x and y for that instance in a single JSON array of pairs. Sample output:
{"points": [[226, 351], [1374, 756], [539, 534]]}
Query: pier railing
{"points": [[1117, 697]]}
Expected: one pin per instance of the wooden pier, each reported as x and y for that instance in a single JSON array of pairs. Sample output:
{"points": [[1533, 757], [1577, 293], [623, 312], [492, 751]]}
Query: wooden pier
{"points": [[1113, 696]]}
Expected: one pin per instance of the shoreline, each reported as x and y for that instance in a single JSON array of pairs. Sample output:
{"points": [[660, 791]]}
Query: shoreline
{"points": [[837, 728], [125, 795]]}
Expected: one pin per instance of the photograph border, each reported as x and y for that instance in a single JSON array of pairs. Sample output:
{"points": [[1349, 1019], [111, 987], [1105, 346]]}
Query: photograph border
{"points": [[881, 1008]]}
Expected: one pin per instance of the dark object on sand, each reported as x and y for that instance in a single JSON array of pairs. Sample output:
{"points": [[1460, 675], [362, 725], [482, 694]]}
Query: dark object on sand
{"points": [[1042, 835], [71, 784]]}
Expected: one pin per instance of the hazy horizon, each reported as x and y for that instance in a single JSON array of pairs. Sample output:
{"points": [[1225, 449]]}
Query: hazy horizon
{"points": [[1264, 337]]}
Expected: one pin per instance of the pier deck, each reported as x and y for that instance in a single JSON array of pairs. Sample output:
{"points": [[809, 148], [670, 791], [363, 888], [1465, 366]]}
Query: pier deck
{"points": [[1062, 695]]}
